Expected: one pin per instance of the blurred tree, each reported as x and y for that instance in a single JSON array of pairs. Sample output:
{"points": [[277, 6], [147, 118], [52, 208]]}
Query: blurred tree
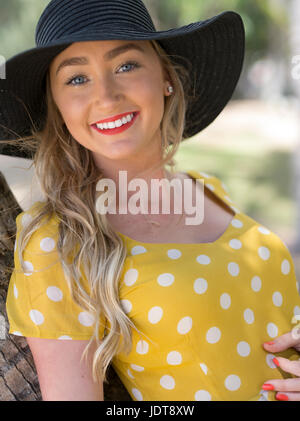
{"points": [[257, 15], [294, 9], [266, 24], [266, 27], [9, 10], [17, 23]]}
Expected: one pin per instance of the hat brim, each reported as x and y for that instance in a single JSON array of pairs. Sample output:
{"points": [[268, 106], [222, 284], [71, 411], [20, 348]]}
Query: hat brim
{"points": [[214, 48]]}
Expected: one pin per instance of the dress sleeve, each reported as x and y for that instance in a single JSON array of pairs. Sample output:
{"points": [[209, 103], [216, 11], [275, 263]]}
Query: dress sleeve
{"points": [[39, 303]]}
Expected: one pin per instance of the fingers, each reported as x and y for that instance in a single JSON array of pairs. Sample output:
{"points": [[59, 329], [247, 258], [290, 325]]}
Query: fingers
{"points": [[289, 396], [286, 388], [285, 341], [292, 367], [283, 385]]}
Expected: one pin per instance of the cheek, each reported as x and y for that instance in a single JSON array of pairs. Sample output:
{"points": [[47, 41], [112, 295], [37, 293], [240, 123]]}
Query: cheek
{"points": [[152, 96], [73, 111]]}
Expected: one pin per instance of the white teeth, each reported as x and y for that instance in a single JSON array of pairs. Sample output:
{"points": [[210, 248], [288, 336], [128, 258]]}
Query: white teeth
{"points": [[117, 123]]}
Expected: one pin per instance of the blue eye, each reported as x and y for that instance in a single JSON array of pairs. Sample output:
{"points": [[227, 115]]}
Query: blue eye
{"points": [[131, 64], [73, 80], [76, 80]]}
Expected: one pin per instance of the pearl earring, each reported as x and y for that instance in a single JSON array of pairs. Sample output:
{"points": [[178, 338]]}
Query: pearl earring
{"points": [[170, 89]]}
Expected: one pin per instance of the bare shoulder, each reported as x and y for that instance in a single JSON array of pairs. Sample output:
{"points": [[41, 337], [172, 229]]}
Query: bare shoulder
{"points": [[62, 376]]}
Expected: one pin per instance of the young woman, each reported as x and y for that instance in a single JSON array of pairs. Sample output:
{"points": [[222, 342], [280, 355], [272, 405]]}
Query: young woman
{"points": [[181, 311]]}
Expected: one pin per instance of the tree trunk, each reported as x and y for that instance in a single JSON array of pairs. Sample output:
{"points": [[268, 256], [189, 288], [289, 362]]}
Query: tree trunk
{"points": [[18, 377], [295, 83]]}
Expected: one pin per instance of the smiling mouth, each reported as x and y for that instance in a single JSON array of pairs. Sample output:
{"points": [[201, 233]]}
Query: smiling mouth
{"points": [[117, 126]]}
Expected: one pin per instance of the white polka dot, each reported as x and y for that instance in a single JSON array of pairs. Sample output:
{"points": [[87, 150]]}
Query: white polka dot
{"points": [[233, 269], [249, 316], [86, 319], [277, 299], [36, 316], [264, 230], [213, 335], [54, 293], [16, 291], [174, 358], [225, 301], [167, 382], [26, 219], [200, 285], [47, 244], [137, 367], [130, 277], [228, 199], [203, 259], [204, 174], [130, 374], [65, 337], [237, 223], [243, 349], [204, 367], [28, 268], [17, 333], [165, 279], [138, 250], [269, 360], [263, 396], [126, 305], [202, 395], [264, 253], [155, 314], [272, 330], [232, 382], [256, 283], [235, 244], [296, 311], [224, 187], [137, 394], [210, 187], [285, 267], [142, 347], [184, 325], [174, 254]]}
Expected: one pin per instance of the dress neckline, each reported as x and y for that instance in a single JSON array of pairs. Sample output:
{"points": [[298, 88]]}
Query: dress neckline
{"points": [[195, 176]]}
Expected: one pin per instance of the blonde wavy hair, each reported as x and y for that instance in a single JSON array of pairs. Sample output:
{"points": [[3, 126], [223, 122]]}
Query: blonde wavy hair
{"points": [[68, 176]]}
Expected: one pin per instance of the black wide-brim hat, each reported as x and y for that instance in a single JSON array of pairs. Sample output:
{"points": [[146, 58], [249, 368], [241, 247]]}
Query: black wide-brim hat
{"points": [[214, 48]]}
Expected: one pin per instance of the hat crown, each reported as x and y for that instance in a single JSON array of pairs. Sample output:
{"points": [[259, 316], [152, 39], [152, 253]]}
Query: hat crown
{"points": [[64, 17]]}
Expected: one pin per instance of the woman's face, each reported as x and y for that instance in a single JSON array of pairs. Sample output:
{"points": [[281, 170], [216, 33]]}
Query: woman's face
{"points": [[99, 80]]}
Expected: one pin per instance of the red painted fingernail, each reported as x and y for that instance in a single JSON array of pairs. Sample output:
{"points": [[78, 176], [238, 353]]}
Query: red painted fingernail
{"points": [[268, 386], [275, 361], [282, 397], [270, 343]]}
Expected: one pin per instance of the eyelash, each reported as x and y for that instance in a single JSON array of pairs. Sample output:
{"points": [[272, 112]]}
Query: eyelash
{"points": [[133, 63]]}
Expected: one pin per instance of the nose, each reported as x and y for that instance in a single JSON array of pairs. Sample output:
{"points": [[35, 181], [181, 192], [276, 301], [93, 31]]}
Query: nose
{"points": [[107, 92]]}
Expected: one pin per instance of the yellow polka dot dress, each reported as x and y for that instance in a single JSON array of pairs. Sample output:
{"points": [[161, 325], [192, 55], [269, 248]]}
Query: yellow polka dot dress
{"points": [[203, 310]]}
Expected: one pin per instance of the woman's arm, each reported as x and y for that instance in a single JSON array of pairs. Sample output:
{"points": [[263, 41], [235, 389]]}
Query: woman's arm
{"points": [[61, 375]]}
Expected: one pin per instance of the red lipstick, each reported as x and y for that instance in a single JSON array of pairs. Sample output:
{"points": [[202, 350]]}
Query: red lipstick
{"points": [[114, 118], [115, 130]]}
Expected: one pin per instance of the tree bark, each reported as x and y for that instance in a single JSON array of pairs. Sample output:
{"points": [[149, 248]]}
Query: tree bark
{"points": [[18, 377]]}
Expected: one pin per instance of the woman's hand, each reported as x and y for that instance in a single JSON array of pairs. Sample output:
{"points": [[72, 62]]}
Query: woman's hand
{"points": [[287, 389]]}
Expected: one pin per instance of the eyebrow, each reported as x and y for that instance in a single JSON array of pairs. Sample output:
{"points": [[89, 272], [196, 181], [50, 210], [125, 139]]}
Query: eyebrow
{"points": [[107, 56]]}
